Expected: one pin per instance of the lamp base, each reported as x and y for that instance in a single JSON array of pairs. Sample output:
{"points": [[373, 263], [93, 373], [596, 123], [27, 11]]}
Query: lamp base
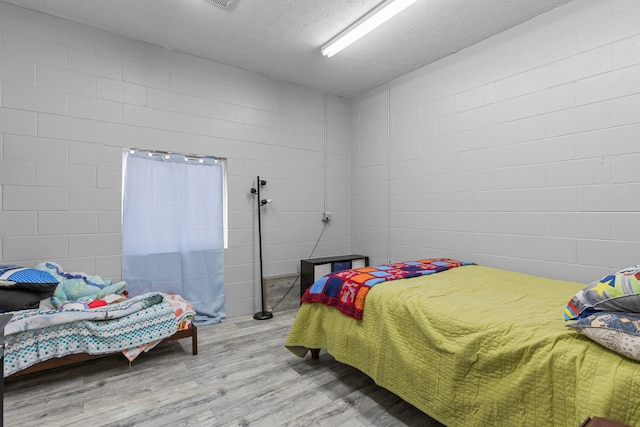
{"points": [[263, 315]]}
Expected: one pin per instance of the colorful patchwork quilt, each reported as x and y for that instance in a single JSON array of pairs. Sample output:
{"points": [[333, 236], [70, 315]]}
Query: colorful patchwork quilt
{"points": [[346, 290]]}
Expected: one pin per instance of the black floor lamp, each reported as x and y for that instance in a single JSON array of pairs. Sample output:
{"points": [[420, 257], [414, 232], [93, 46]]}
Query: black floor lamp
{"points": [[264, 314]]}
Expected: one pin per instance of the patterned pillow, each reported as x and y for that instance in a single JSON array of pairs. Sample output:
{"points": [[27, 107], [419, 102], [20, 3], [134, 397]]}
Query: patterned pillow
{"points": [[619, 332], [615, 292], [15, 277]]}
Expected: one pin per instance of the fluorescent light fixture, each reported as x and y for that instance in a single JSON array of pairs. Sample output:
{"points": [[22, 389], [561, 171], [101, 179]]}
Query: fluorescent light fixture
{"points": [[376, 17]]}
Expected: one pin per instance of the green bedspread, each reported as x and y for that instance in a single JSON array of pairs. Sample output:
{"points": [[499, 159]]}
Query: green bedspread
{"points": [[478, 346]]}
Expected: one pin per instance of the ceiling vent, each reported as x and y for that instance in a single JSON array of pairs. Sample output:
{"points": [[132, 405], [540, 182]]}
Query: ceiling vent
{"points": [[225, 4]]}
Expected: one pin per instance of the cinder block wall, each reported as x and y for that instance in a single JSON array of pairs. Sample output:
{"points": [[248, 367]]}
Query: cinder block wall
{"points": [[73, 97], [520, 152]]}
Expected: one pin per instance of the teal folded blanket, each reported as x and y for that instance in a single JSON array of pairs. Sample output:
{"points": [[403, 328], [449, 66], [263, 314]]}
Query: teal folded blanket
{"points": [[79, 286]]}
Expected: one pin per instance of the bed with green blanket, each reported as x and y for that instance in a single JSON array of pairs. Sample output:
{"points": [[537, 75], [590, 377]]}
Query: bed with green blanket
{"points": [[475, 345]]}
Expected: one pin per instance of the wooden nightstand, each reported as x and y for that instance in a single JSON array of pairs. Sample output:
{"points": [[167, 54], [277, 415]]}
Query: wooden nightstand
{"points": [[314, 268]]}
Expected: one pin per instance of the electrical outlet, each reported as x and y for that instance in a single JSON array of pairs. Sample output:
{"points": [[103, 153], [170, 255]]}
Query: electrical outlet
{"points": [[326, 217]]}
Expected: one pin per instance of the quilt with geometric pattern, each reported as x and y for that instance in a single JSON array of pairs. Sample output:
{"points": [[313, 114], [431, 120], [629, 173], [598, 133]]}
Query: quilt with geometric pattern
{"points": [[156, 320]]}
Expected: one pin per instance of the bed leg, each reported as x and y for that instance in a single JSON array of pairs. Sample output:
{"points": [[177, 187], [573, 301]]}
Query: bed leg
{"points": [[194, 340], [315, 353]]}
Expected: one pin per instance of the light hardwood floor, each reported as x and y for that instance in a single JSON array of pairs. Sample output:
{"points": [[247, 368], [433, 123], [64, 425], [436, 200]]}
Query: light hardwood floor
{"points": [[242, 376]]}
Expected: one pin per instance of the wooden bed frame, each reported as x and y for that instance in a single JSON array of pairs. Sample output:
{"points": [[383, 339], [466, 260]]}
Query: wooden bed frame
{"points": [[82, 357]]}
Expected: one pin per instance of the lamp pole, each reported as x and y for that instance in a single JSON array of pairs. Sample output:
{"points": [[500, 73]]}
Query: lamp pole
{"points": [[264, 314]]}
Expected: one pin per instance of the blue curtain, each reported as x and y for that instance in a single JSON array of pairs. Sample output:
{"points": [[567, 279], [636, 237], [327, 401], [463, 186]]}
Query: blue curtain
{"points": [[173, 229]]}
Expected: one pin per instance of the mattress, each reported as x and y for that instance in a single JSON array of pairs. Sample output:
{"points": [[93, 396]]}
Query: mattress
{"points": [[478, 346]]}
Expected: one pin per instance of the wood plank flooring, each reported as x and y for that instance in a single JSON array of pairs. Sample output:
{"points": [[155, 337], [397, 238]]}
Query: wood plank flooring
{"points": [[242, 376]]}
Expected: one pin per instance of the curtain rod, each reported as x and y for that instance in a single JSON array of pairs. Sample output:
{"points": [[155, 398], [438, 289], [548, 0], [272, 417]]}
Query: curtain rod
{"points": [[186, 155]]}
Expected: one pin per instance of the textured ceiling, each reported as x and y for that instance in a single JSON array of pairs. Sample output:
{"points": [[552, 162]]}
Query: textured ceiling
{"points": [[281, 38]]}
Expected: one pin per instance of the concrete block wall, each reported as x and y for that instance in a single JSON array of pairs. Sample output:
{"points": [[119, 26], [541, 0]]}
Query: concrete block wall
{"points": [[72, 98], [519, 152]]}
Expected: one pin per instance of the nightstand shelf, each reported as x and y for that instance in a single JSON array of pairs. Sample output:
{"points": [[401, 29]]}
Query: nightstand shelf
{"points": [[314, 268]]}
